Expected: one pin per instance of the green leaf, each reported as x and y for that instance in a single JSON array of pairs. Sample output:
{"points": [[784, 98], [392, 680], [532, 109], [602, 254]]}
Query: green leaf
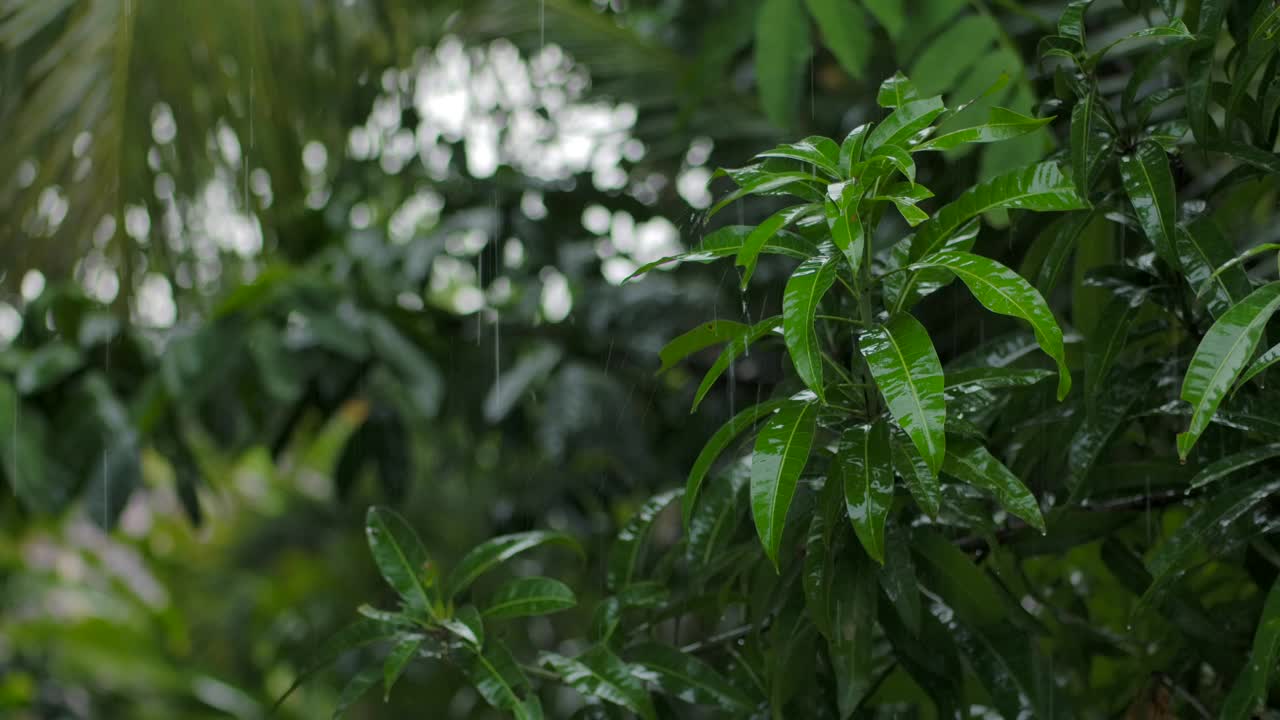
{"points": [[355, 689], [758, 238], [905, 366], [968, 461], [993, 378], [524, 597], [364, 631], [1092, 140], [599, 673], [922, 480], [512, 385], [36, 479], [1002, 124], [1264, 361], [401, 558], [853, 602], [1107, 340], [1224, 467], [684, 676], [498, 679], [728, 242], [495, 551], [736, 346], [624, 557], [716, 518], [1005, 292], [847, 233], [816, 150], [1149, 184], [800, 301], [845, 30], [401, 654], [1071, 22], [896, 157], [716, 445], [50, 364], [1249, 693], [1202, 532], [851, 148], [896, 91], [898, 577], [699, 338], [467, 625], [905, 122], [757, 180], [781, 453], [1222, 354], [782, 52], [1202, 251], [865, 463], [417, 372]]}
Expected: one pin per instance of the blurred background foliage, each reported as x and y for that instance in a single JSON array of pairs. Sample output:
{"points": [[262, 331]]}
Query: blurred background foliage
{"points": [[263, 263]]}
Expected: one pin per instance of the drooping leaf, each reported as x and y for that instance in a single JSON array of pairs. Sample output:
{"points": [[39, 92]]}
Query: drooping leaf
{"points": [[906, 368], [1001, 124], [782, 51], [599, 673], [845, 31], [716, 445], [905, 121], [498, 679], [1233, 463], [819, 151], [528, 596], [495, 551], [971, 462], [701, 337], [1005, 292], [1249, 693], [847, 233], [781, 453], [736, 346], [624, 557], [401, 558], [759, 237], [688, 678], [398, 658], [1092, 139], [922, 481], [1202, 250], [1148, 181], [853, 600], [1222, 354], [898, 577], [865, 463], [800, 300]]}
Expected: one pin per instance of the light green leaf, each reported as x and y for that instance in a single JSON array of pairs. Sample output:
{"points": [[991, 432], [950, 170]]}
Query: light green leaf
{"points": [[896, 91], [1249, 693], [401, 558], [781, 453], [851, 148], [1224, 467], [800, 301], [905, 122], [1002, 124], [684, 676], [624, 556], [1222, 354], [896, 157], [1005, 292], [865, 463], [524, 597], [845, 30], [1149, 184], [716, 445], [905, 366], [599, 673], [968, 461], [495, 551], [782, 52], [699, 338], [735, 347]]}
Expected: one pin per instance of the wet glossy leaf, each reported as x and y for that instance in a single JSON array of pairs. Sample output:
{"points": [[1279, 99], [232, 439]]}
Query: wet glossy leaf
{"points": [[898, 577], [467, 625], [1005, 292], [528, 596], [1092, 139], [684, 676], [865, 464], [498, 679], [716, 518], [1249, 693], [818, 151], [1001, 124], [716, 445], [800, 300], [905, 121], [905, 366], [896, 91], [896, 157], [495, 551], [1149, 185], [398, 658], [781, 453], [782, 51], [1202, 250], [624, 557], [759, 237], [851, 148], [922, 481], [728, 242], [847, 233], [1264, 361], [992, 378], [401, 558], [701, 337], [968, 461], [1224, 467], [1222, 354], [736, 346], [599, 673]]}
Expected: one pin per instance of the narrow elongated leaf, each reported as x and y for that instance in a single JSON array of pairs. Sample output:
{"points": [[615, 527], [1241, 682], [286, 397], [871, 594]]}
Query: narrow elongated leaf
{"points": [[495, 551], [1104, 344], [1071, 22], [716, 518], [905, 366], [701, 337], [781, 453], [528, 596], [398, 658], [898, 577], [846, 32], [896, 91], [756, 241], [800, 302], [600, 674], [865, 464], [1202, 251], [1005, 292], [993, 378], [497, 676], [1001, 124], [736, 346], [904, 289], [1236, 462], [624, 557], [851, 148], [819, 151], [355, 689], [1202, 532], [895, 156], [756, 180], [1092, 139], [364, 631], [716, 445], [401, 558], [1264, 361], [1250, 690], [969, 461], [853, 601], [922, 481], [686, 677], [847, 233], [1149, 185], [782, 51], [905, 121], [728, 242], [1222, 354], [467, 625]]}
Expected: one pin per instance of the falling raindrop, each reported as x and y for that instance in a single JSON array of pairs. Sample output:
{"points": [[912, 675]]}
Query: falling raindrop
{"points": [[542, 22]]}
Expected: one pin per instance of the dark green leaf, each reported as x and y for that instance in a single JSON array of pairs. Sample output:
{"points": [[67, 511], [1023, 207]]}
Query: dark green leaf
{"points": [[49, 365], [1224, 467], [865, 463], [818, 151], [716, 445], [1249, 693], [401, 654], [701, 337], [1202, 250], [401, 558], [497, 676], [728, 242], [968, 461], [847, 233], [898, 578], [467, 625], [495, 551], [736, 346], [800, 302], [1092, 139], [1149, 184], [851, 148], [1001, 124], [599, 673], [624, 557], [1107, 340], [686, 677], [905, 121], [905, 366], [1264, 361], [992, 378], [782, 51], [362, 632], [355, 689], [781, 453], [528, 596]]}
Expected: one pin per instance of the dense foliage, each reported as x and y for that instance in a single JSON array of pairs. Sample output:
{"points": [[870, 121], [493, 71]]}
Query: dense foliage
{"points": [[1042, 491]]}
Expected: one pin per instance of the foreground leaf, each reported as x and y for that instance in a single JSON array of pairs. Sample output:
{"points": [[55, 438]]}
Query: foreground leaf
{"points": [[495, 551], [1250, 690], [1222, 354], [800, 302], [736, 346], [528, 596], [1002, 124], [497, 676], [905, 121], [906, 368], [865, 462], [599, 673], [969, 461], [400, 557], [716, 445], [922, 481], [1149, 184], [624, 557], [781, 453], [703, 336]]}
